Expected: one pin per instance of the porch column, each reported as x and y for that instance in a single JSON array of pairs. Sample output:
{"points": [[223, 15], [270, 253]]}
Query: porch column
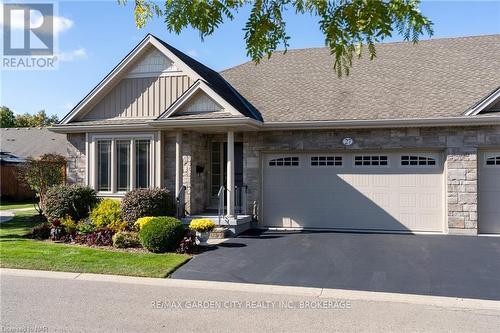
{"points": [[159, 160], [178, 162], [230, 173]]}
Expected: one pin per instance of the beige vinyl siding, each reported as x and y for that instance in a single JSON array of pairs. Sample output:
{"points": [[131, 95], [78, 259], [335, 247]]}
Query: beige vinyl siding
{"points": [[140, 97], [200, 103], [153, 62]]}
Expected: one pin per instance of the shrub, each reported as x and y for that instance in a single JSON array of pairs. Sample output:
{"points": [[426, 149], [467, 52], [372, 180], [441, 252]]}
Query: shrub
{"points": [[202, 225], [41, 231], [42, 173], [69, 225], [187, 244], [141, 222], [161, 234], [105, 213], [69, 200], [118, 226], [146, 202], [124, 239], [85, 226], [98, 237], [57, 232]]}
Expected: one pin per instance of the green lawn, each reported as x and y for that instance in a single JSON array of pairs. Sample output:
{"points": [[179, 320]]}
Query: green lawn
{"points": [[19, 252], [6, 205]]}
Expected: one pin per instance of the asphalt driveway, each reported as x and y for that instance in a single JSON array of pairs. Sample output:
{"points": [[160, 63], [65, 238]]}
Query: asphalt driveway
{"points": [[440, 265]]}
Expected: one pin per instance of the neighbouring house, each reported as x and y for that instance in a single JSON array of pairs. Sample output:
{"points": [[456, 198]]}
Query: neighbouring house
{"points": [[409, 142], [17, 144]]}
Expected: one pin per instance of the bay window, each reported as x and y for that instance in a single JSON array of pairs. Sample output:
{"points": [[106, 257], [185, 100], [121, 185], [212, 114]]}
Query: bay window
{"points": [[122, 163]]}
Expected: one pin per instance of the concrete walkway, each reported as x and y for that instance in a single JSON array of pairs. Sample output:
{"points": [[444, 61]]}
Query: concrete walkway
{"points": [[104, 303], [7, 215]]}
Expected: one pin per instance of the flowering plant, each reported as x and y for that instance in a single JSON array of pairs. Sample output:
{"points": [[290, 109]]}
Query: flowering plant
{"points": [[202, 225]]}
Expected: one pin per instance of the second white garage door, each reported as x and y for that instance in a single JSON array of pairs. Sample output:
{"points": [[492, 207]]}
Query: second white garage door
{"points": [[362, 191], [489, 192]]}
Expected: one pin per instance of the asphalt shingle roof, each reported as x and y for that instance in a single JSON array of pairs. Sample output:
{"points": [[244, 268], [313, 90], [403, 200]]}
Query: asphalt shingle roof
{"points": [[217, 83], [432, 79], [34, 142]]}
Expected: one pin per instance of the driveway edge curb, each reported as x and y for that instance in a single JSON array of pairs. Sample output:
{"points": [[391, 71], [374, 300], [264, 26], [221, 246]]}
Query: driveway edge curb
{"points": [[356, 295]]}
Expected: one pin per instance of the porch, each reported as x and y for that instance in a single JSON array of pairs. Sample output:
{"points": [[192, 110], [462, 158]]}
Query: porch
{"points": [[209, 175]]}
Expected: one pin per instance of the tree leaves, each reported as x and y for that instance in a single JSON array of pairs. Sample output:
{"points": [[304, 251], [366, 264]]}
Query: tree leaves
{"points": [[348, 25], [40, 119]]}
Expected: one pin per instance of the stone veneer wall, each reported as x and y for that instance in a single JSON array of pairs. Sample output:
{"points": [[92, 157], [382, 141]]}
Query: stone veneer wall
{"points": [[195, 151], [76, 159], [460, 146]]}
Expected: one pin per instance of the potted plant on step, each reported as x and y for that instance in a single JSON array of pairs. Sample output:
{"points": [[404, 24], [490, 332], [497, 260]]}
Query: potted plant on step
{"points": [[202, 227]]}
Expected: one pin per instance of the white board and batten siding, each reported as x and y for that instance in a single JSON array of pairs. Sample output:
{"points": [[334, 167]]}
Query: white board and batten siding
{"points": [[384, 191]]}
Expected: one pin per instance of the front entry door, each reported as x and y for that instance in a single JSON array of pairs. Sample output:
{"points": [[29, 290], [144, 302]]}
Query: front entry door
{"points": [[218, 168]]}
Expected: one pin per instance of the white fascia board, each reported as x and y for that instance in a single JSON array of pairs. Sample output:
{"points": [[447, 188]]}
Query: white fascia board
{"points": [[197, 86], [303, 125], [491, 99], [98, 128], [217, 122], [118, 70]]}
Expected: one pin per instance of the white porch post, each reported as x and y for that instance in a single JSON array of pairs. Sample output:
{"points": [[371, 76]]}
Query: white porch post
{"points": [[159, 159], [230, 173], [178, 162]]}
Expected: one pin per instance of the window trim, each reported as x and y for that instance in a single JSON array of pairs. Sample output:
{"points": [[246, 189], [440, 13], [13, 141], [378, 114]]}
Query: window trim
{"points": [[372, 166], [129, 142], [420, 155], [92, 174], [109, 162]]}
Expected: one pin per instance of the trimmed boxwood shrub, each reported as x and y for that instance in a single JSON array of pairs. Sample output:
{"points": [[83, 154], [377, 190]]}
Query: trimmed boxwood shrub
{"points": [[162, 234], [75, 201], [146, 202], [105, 213]]}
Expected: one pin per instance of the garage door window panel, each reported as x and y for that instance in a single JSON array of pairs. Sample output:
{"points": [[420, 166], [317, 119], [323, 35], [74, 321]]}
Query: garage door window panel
{"points": [[284, 161], [326, 161], [417, 161], [371, 160], [492, 160]]}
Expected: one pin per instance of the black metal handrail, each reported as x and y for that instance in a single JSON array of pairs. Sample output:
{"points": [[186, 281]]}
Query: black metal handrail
{"points": [[181, 202], [240, 199]]}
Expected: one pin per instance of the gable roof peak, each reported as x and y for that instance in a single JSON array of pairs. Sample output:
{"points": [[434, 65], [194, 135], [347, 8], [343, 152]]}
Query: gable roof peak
{"points": [[190, 66]]}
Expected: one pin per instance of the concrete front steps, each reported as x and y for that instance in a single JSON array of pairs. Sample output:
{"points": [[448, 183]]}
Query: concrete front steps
{"points": [[229, 226]]}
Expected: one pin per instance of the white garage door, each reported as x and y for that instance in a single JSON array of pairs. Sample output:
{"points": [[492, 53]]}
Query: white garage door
{"points": [[489, 193], [364, 191]]}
